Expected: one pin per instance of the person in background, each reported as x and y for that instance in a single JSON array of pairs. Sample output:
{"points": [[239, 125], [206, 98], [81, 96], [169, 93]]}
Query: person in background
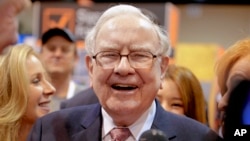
{"points": [[126, 59], [182, 93], [9, 10], [231, 69], [25, 90], [59, 55]]}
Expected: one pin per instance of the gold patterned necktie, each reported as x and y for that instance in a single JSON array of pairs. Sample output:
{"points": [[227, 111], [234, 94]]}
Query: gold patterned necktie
{"points": [[119, 134]]}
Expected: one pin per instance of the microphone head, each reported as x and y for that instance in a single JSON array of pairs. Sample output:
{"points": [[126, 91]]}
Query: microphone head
{"points": [[153, 135]]}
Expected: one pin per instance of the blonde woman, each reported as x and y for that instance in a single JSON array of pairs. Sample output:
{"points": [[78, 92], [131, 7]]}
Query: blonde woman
{"points": [[24, 92], [182, 94]]}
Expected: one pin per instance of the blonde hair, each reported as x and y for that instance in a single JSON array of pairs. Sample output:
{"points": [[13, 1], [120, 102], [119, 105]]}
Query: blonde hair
{"points": [[190, 90], [13, 90], [234, 53]]}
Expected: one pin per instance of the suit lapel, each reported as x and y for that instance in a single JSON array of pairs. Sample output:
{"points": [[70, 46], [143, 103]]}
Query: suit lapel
{"points": [[163, 122], [91, 126]]}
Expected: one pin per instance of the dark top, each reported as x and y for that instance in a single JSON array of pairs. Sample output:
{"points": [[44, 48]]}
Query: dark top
{"points": [[84, 97], [84, 123]]}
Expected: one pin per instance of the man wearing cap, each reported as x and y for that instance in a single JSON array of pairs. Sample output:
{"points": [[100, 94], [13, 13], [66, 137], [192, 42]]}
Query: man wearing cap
{"points": [[59, 54]]}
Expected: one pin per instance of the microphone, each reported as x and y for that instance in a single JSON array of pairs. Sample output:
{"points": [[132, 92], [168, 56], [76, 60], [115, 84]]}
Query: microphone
{"points": [[153, 135]]}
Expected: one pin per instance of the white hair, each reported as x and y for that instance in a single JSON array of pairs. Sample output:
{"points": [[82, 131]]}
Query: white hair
{"points": [[121, 10]]}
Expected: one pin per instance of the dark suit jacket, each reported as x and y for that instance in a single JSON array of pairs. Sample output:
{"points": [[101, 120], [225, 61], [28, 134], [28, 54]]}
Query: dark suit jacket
{"points": [[84, 123], [84, 97]]}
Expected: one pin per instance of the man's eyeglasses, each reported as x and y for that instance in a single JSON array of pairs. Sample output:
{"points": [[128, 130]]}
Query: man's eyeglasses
{"points": [[137, 59]]}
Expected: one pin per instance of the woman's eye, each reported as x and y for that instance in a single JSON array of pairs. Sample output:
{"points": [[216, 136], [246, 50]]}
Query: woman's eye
{"points": [[177, 105], [35, 81]]}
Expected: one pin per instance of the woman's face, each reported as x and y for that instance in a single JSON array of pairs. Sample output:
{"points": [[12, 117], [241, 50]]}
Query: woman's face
{"points": [[40, 90], [170, 97], [239, 71]]}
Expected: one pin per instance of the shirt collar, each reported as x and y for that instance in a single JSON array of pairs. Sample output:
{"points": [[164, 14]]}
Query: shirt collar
{"points": [[142, 124], [71, 89]]}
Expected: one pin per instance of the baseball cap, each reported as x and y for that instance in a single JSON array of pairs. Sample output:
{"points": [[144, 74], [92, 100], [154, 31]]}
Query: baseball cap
{"points": [[57, 32]]}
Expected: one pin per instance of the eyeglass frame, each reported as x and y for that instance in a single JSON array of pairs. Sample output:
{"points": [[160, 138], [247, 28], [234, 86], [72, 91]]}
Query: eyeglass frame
{"points": [[124, 55]]}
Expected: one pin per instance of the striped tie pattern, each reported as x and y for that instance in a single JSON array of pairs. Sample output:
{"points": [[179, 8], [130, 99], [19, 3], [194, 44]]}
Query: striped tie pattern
{"points": [[119, 134]]}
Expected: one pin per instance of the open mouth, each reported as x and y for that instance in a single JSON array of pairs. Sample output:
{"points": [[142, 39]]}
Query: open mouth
{"points": [[123, 87], [44, 104]]}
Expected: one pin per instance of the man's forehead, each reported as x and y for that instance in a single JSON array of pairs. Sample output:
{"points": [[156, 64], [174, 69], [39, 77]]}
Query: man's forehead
{"points": [[128, 25], [127, 20]]}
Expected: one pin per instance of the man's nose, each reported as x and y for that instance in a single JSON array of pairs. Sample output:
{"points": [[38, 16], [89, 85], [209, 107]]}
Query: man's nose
{"points": [[58, 52], [124, 67]]}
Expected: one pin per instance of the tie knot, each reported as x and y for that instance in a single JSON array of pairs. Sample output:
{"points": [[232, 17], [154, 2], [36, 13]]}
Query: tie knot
{"points": [[119, 134]]}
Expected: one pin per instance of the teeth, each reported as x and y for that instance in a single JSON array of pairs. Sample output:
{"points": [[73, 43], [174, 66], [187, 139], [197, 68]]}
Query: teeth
{"points": [[44, 104], [123, 85]]}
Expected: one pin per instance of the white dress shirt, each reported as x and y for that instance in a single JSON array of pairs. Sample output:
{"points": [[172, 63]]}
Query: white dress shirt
{"points": [[142, 124]]}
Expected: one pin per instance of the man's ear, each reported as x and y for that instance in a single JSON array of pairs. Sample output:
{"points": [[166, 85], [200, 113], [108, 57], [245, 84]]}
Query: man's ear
{"points": [[89, 66], [164, 67]]}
